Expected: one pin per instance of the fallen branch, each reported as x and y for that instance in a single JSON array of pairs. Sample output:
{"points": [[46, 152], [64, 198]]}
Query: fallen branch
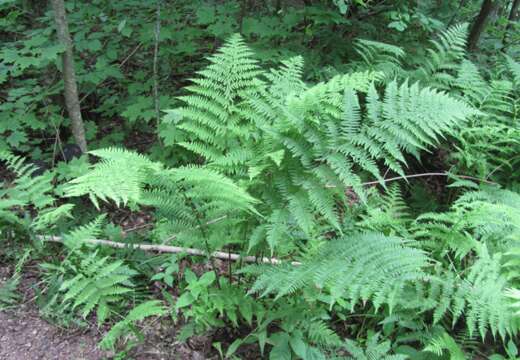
{"points": [[230, 256], [172, 249]]}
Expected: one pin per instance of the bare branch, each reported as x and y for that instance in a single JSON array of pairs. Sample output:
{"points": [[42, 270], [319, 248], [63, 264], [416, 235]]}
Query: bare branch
{"points": [[173, 249]]}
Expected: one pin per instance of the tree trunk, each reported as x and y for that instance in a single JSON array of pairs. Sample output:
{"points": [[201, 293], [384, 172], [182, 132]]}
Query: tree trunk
{"points": [[480, 23], [513, 15], [69, 75], [155, 64]]}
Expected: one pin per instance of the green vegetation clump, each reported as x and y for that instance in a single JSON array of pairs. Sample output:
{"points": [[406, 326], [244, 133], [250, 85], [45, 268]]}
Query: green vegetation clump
{"points": [[325, 180]]}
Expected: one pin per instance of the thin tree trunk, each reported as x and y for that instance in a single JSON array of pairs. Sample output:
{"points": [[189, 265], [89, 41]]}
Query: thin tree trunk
{"points": [[155, 64], [513, 15], [69, 75], [480, 23]]}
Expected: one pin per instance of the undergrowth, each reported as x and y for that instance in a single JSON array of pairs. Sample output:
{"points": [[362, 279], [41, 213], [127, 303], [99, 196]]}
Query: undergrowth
{"points": [[280, 167]]}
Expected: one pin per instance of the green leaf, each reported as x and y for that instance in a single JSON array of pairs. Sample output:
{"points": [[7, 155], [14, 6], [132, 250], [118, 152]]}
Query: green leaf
{"points": [[246, 310], [233, 347], [298, 345], [397, 25], [207, 279], [281, 349], [121, 25], [184, 300], [16, 138]]}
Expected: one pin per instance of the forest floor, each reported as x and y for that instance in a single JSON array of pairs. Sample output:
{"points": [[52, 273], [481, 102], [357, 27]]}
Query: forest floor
{"points": [[26, 335]]}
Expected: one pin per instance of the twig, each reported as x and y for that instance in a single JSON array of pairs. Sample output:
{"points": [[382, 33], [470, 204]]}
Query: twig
{"points": [[120, 65], [130, 55], [376, 182], [172, 249], [426, 175], [142, 226]]}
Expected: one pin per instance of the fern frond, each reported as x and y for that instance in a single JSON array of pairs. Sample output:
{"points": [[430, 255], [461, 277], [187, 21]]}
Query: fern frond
{"points": [[445, 342], [381, 57], [119, 176], [444, 56], [26, 189], [361, 267], [140, 312]]}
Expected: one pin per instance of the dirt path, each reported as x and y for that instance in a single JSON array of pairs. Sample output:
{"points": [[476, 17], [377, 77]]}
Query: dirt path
{"points": [[25, 336]]}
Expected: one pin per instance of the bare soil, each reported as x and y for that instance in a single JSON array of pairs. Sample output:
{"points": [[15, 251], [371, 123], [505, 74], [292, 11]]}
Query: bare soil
{"points": [[25, 336]]}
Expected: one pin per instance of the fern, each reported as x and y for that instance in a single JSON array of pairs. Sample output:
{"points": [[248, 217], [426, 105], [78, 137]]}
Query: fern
{"points": [[25, 191], [328, 155], [119, 176], [514, 68], [514, 295], [381, 57], [490, 215], [185, 198], [374, 349], [440, 64], [99, 284], [140, 312], [445, 342], [297, 147], [495, 131], [8, 292], [358, 268], [389, 214], [49, 218], [91, 282], [482, 227], [211, 118]]}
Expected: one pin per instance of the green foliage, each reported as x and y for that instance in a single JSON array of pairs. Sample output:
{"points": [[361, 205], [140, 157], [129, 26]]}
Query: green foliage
{"points": [[25, 190], [138, 313], [187, 199], [446, 342], [8, 289], [307, 143], [442, 59], [374, 349], [272, 150], [388, 213], [90, 282], [8, 293], [207, 305], [354, 268], [98, 284], [26, 193], [481, 229]]}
